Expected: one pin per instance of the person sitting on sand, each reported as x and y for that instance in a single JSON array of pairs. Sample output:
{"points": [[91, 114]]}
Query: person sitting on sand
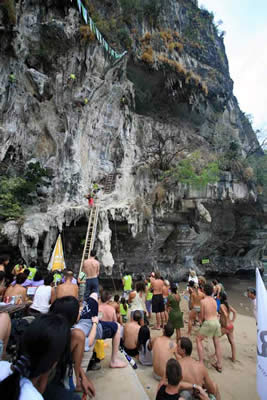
{"points": [[67, 288], [69, 307], [115, 303], [193, 371], [195, 298], [130, 334], [5, 330], [108, 312], [18, 289], [95, 330], [227, 324], [43, 297], [163, 349], [173, 388], [144, 346], [210, 326], [175, 314], [38, 279]]}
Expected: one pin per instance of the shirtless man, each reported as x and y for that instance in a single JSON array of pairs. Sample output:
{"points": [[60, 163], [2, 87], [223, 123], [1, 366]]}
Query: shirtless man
{"points": [[116, 305], [5, 330], [4, 261], [193, 371], [108, 312], [91, 267], [157, 300], [17, 289], [195, 298], [130, 334], [210, 326], [163, 349], [67, 288]]}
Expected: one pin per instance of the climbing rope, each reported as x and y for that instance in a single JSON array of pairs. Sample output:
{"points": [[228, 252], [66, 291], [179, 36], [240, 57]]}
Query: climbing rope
{"points": [[88, 20]]}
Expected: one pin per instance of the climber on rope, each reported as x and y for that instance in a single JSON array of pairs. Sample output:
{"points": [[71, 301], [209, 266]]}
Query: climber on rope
{"points": [[90, 198], [11, 80]]}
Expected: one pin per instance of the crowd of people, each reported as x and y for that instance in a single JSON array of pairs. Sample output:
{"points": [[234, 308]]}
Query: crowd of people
{"points": [[70, 316]]}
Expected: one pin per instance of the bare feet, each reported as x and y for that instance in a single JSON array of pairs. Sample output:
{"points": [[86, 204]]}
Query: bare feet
{"points": [[117, 364]]}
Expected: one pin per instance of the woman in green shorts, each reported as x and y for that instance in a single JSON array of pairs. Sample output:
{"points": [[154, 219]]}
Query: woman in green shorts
{"points": [[175, 314]]}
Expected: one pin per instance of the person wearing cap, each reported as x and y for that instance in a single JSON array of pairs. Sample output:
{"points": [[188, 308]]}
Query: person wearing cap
{"points": [[252, 296]]}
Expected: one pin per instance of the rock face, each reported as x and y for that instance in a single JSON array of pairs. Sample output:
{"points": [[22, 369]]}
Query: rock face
{"points": [[84, 118]]}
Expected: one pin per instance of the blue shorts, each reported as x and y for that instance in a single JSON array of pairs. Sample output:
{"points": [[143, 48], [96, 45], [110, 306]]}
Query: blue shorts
{"points": [[91, 287], [109, 329], [148, 305]]}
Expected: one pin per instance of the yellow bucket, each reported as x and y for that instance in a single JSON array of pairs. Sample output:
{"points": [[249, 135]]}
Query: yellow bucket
{"points": [[99, 349]]}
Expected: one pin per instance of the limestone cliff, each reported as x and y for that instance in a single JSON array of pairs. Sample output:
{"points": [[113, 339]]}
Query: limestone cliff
{"points": [[69, 109]]}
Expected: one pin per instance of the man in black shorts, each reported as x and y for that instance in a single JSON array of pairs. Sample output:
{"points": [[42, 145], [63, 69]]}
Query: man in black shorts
{"points": [[96, 330], [157, 300]]}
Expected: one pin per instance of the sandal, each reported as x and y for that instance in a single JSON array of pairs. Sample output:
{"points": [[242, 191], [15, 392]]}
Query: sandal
{"points": [[218, 369]]}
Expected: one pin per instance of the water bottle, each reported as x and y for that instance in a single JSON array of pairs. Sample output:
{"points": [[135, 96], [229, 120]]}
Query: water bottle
{"points": [[129, 359]]}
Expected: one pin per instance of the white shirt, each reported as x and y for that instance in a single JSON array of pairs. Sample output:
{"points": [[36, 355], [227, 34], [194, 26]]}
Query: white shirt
{"points": [[27, 390], [41, 300], [193, 278], [138, 302]]}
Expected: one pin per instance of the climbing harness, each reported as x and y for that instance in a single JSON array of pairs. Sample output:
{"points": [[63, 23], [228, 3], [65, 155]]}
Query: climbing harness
{"points": [[88, 20]]}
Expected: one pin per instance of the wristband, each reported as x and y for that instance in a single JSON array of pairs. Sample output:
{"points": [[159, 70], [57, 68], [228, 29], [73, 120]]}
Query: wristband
{"points": [[95, 323]]}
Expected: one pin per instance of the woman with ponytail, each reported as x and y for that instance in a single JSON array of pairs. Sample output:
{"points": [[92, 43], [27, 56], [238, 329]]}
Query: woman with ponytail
{"points": [[227, 323], [42, 346]]}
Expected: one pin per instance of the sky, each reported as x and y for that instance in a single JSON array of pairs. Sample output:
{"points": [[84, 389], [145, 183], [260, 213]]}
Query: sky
{"points": [[245, 23]]}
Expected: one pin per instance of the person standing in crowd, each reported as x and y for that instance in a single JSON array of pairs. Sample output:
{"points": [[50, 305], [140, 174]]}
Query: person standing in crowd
{"points": [[44, 296], [2, 284], [91, 267], [123, 309], [193, 276], [227, 324], [210, 326], [4, 261], [19, 268], [196, 296], [42, 346], [175, 313], [33, 269], [165, 294], [149, 296], [67, 288], [38, 279], [82, 285], [17, 289], [144, 346], [127, 284], [157, 300], [251, 293], [137, 300]]}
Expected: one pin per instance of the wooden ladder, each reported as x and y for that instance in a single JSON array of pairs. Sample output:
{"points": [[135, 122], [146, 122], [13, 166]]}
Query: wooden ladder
{"points": [[90, 234], [109, 183]]}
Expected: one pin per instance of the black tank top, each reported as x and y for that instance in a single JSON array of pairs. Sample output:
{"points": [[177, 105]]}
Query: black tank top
{"points": [[162, 395]]}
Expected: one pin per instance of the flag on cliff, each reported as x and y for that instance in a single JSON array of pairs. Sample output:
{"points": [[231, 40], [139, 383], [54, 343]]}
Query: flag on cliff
{"points": [[57, 259], [262, 336]]}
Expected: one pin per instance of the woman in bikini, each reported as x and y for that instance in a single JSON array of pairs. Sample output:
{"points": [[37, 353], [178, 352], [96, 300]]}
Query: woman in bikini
{"points": [[227, 324]]}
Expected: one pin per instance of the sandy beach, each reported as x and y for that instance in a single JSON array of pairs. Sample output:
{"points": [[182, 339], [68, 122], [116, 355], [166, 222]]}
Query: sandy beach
{"points": [[237, 380]]}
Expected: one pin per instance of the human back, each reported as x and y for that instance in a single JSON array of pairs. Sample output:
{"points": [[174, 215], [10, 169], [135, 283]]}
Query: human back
{"points": [[91, 267], [67, 288], [163, 349], [209, 307]]}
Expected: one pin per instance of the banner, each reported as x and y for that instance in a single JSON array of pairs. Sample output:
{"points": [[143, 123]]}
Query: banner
{"points": [[262, 336], [57, 260], [88, 20]]}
